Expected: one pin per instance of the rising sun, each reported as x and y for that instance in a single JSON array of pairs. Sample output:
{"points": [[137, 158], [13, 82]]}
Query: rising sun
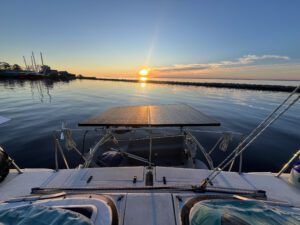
{"points": [[144, 72]]}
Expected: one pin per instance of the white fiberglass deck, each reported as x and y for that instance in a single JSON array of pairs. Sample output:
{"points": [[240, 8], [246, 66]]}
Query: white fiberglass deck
{"points": [[16, 185]]}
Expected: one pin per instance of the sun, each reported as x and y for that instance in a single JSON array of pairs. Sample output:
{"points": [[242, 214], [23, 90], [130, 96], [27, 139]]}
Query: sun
{"points": [[144, 72]]}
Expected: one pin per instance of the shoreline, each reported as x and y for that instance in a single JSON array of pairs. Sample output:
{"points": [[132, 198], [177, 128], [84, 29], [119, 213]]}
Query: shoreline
{"points": [[257, 87]]}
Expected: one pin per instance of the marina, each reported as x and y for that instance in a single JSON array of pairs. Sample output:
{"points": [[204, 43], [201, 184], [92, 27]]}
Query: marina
{"points": [[33, 71]]}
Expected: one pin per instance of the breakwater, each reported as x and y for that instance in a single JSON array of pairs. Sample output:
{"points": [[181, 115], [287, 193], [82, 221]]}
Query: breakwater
{"points": [[258, 87]]}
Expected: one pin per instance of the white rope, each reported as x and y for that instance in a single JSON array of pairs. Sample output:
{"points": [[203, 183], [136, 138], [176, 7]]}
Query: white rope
{"points": [[222, 142], [70, 144], [227, 138], [202, 149], [69, 141], [102, 141]]}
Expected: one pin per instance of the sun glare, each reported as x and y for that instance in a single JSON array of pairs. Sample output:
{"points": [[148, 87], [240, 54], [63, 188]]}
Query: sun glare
{"points": [[144, 72], [143, 78]]}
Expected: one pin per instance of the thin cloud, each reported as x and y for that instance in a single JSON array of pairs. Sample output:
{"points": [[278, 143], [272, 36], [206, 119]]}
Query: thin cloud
{"points": [[245, 60]]}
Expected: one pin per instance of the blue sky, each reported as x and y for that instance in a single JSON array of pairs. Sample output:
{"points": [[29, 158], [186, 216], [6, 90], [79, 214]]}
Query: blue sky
{"points": [[117, 38]]}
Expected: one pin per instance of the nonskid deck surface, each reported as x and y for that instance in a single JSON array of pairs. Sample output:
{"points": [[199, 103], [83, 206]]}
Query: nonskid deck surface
{"points": [[119, 195], [16, 185]]}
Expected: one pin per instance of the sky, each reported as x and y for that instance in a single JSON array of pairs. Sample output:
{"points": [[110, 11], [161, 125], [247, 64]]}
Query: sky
{"points": [[234, 39]]}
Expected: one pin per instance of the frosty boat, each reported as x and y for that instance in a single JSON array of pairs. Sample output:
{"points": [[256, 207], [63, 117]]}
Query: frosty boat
{"points": [[144, 169]]}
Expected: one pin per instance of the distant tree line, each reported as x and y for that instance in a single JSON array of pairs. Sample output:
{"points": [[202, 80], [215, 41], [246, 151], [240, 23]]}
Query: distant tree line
{"points": [[6, 66]]}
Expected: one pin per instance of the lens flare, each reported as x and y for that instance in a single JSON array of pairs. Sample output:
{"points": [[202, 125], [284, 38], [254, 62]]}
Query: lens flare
{"points": [[144, 72]]}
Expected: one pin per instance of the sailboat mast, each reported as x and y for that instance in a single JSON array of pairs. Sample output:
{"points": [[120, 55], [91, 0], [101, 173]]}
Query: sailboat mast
{"points": [[42, 58], [35, 67], [25, 63], [32, 65]]}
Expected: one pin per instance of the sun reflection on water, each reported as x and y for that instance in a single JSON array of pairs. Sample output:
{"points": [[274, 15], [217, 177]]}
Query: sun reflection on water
{"points": [[143, 81]]}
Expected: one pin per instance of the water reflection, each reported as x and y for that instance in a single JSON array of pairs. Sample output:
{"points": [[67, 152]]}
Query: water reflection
{"points": [[29, 133], [143, 81], [40, 89]]}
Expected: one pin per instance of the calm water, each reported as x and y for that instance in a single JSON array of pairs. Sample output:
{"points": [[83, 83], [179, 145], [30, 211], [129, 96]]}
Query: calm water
{"points": [[38, 108]]}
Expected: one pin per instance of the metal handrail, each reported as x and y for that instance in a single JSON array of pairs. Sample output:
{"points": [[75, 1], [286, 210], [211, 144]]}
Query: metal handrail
{"points": [[12, 162], [108, 134], [284, 168], [206, 155]]}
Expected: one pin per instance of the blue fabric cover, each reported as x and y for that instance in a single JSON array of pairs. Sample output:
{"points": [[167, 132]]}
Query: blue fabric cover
{"points": [[41, 215], [296, 166], [210, 212]]}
